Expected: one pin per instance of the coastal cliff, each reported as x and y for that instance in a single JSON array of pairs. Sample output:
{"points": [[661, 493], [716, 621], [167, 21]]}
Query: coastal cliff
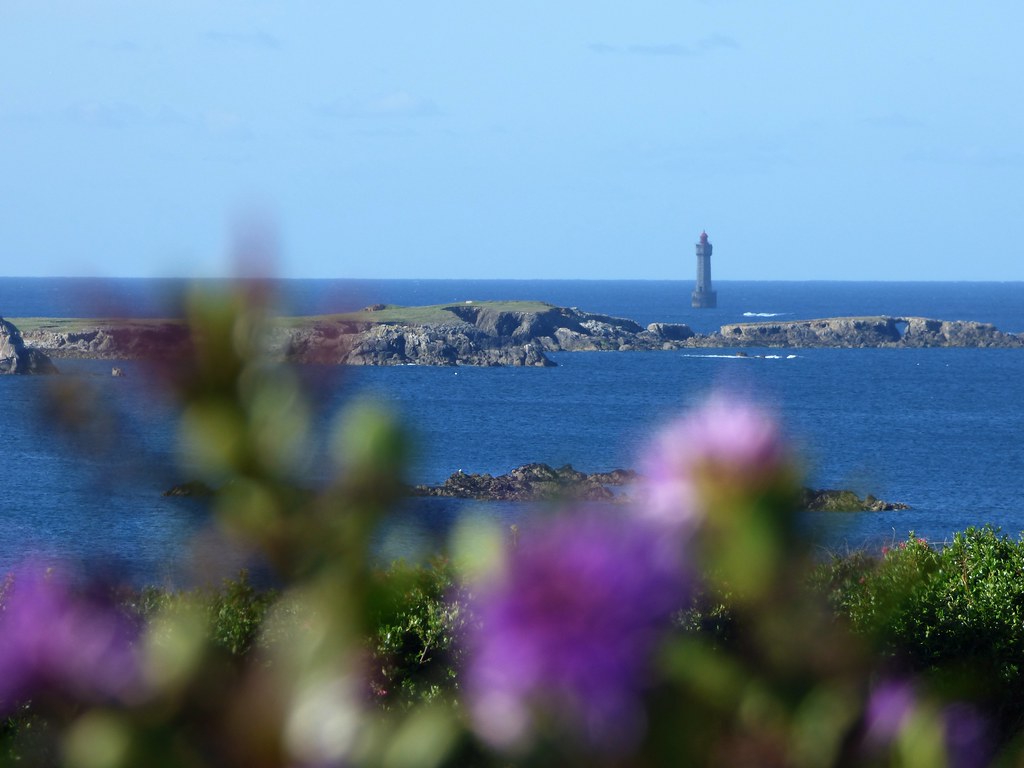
{"points": [[515, 333], [387, 344], [16, 357], [108, 339], [494, 333]]}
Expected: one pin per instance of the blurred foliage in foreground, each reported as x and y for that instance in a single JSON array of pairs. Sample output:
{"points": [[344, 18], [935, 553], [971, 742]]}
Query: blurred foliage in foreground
{"points": [[693, 628]]}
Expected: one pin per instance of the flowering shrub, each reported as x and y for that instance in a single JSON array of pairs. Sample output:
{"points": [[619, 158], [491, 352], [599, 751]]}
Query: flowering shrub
{"points": [[955, 615], [728, 446], [55, 640], [690, 628], [565, 633], [232, 614]]}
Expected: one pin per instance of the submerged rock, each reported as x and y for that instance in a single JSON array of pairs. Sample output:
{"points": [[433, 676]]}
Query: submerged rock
{"points": [[15, 357]]}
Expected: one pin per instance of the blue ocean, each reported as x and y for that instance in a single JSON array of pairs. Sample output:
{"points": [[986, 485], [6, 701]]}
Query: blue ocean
{"points": [[939, 429]]}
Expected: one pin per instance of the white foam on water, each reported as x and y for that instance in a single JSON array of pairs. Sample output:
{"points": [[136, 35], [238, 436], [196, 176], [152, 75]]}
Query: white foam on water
{"points": [[743, 357]]}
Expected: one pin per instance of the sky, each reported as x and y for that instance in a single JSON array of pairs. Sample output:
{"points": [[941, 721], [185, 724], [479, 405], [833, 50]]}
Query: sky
{"points": [[869, 140]]}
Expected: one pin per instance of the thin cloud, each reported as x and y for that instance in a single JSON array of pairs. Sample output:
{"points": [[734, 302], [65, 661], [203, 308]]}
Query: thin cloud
{"points": [[893, 120], [215, 122], [102, 114], [397, 104], [716, 41], [668, 49], [226, 124], [256, 39], [115, 46], [976, 156], [664, 49]]}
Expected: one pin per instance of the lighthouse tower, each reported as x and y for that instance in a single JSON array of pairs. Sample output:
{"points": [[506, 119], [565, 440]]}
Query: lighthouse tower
{"points": [[703, 296]]}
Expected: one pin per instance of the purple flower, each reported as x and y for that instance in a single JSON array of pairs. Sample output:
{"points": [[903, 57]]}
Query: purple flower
{"points": [[888, 708], [727, 441], [564, 635], [54, 639], [967, 736]]}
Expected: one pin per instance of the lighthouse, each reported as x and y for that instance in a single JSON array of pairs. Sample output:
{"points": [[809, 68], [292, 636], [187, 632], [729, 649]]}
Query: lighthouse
{"points": [[703, 296]]}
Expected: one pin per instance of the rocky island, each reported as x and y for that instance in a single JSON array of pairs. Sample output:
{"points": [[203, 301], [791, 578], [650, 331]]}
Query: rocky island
{"points": [[540, 482], [828, 500], [491, 333], [531, 482], [881, 331], [512, 333]]}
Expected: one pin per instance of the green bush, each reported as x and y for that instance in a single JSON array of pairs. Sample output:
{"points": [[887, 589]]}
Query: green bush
{"points": [[234, 613], [414, 638], [955, 613]]}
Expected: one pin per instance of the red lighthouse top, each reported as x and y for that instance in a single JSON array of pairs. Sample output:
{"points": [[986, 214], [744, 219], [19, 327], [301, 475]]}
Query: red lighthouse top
{"points": [[703, 237]]}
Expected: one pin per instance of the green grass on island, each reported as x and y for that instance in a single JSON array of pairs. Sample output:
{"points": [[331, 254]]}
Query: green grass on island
{"points": [[435, 314], [82, 324], [391, 314]]}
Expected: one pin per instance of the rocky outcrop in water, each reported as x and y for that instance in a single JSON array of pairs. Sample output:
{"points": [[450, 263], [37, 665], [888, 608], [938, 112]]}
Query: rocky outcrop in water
{"points": [[845, 501], [882, 331], [540, 482], [531, 482], [16, 357], [662, 332], [193, 488], [923, 332], [556, 329]]}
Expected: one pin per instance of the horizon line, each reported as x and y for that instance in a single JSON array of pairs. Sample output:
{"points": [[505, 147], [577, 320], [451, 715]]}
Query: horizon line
{"points": [[281, 278]]}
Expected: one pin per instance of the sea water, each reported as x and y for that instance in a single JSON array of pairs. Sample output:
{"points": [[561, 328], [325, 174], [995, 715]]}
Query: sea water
{"points": [[938, 429]]}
